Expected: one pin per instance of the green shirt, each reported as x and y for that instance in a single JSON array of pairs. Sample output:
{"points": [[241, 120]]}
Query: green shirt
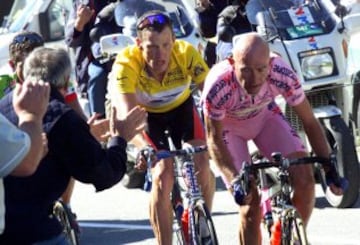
{"points": [[7, 83]]}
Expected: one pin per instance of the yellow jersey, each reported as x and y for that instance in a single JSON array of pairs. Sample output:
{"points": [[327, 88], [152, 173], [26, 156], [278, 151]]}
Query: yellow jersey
{"points": [[129, 75]]}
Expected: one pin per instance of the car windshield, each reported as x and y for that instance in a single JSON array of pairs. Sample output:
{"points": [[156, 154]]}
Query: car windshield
{"points": [[20, 14], [130, 9], [291, 20], [181, 24]]}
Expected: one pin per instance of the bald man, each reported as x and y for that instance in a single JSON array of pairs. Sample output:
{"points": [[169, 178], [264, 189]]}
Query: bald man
{"points": [[239, 105]]}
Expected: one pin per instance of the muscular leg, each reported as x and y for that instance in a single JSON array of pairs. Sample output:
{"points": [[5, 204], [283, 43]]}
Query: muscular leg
{"points": [[160, 204], [291, 146], [250, 213], [303, 182], [250, 219]]}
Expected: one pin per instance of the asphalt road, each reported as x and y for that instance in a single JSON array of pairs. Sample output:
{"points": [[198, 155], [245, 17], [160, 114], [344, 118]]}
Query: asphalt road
{"points": [[120, 216]]}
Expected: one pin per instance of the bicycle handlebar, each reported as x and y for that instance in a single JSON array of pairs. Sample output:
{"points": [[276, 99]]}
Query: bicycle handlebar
{"points": [[286, 163], [241, 184], [152, 156], [182, 152]]}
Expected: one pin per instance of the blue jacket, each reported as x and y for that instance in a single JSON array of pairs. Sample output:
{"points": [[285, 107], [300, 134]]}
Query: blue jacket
{"points": [[73, 151]]}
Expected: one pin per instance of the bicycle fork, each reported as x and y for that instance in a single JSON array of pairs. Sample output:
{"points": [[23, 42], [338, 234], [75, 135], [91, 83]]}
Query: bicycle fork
{"points": [[193, 194]]}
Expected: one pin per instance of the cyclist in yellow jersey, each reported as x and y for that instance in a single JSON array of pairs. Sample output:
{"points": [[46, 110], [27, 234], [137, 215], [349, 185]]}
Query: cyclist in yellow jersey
{"points": [[156, 73], [185, 66]]}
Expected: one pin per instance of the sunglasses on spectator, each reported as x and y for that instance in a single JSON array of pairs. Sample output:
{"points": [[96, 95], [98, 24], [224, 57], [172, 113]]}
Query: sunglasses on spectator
{"points": [[30, 38], [158, 19]]}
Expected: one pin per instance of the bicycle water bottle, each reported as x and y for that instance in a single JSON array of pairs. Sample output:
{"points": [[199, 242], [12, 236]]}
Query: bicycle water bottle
{"points": [[275, 238], [185, 224], [268, 219]]}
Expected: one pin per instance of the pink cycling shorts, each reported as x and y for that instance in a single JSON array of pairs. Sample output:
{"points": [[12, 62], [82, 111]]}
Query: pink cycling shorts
{"points": [[270, 131]]}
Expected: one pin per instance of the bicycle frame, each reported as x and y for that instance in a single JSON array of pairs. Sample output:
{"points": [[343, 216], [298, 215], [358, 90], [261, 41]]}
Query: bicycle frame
{"points": [[66, 219], [282, 209], [184, 168], [193, 193], [276, 196]]}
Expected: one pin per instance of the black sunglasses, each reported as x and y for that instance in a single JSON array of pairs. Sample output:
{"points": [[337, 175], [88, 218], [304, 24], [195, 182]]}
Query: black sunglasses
{"points": [[158, 19], [31, 38]]}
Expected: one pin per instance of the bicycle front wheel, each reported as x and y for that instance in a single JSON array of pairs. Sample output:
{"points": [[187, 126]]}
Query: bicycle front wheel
{"points": [[67, 220], [202, 226], [293, 229]]}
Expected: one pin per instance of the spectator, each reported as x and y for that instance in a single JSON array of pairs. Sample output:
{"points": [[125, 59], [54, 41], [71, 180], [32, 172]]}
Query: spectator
{"points": [[21, 45], [208, 11], [222, 19], [19, 48], [90, 72], [73, 152], [23, 146], [232, 20]]}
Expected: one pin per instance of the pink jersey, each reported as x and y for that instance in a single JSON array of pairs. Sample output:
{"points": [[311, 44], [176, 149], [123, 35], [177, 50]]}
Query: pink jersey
{"points": [[253, 117], [224, 98]]}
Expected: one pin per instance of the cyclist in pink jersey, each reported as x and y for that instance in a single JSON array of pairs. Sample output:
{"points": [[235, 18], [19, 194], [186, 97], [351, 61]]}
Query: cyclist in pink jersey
{"points": [[239, 105]]}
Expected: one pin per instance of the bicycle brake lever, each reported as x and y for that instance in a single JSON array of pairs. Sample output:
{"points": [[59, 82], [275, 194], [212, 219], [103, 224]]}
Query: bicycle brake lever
{"points": [[241, 184]]}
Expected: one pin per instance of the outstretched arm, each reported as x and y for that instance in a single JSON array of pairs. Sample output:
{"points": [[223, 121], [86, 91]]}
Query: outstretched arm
{"points": [[124, 103], [318, 141], [132, 125]]}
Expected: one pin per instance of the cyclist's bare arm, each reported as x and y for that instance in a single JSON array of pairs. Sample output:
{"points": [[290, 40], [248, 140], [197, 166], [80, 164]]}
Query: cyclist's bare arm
{"points": [[218, 150], [315, 134], [313, 129]]}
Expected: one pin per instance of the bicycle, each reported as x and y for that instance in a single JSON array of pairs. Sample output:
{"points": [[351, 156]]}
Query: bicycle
{"points": [[67, 221], [280, 218], [193, 225]]}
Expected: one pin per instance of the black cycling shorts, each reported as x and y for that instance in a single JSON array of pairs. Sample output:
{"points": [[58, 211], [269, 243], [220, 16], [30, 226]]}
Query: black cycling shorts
{"points": [[183, 123]]}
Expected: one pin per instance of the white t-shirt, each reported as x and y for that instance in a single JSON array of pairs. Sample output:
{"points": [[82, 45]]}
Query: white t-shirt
{"points": [[15, 144]]}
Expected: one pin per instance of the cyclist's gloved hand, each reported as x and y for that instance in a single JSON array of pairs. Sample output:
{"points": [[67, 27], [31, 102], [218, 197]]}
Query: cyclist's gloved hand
{"points": [[142, 157], [238, 191], [336, 183]]}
